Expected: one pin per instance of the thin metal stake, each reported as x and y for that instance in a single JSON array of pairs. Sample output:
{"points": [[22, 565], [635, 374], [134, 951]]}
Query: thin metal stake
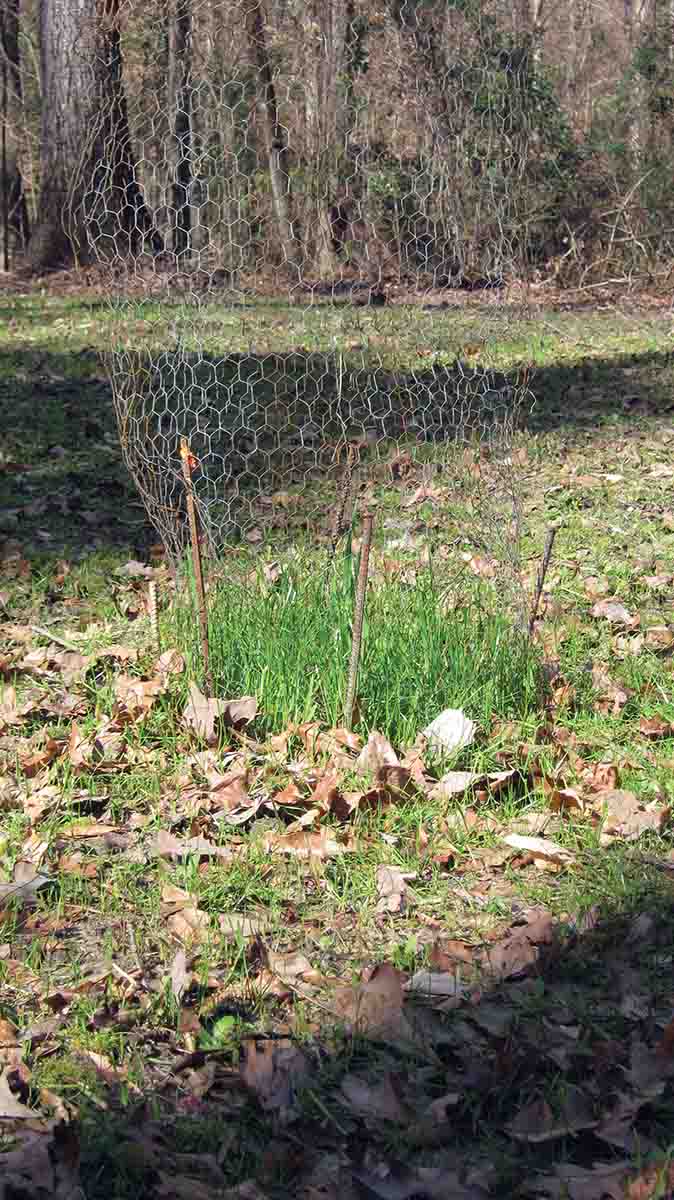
{"points": [[153, 614], [359, 613], [189, 462], [542, 572]]}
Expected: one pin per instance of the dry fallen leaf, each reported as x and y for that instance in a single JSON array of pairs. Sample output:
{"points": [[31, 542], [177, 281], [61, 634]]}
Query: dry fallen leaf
{"points": [[437, 985], [392, 889], [12, 713], [627, 817], [484, 568], [200, 1080], [600, 777], [422, 1183], [422, 495], [11, 1108], [596, 586], [42, 1164], [10, 1045], [123, 654], [520, 949], [326, 796], [654, 728], [202, 714], [288, 967], [455, 783], [273, 1070], [101, 751], [653, 1182], [659, 638], [320, 844], [603, 1181], [537, 1123], [180, 975], [375, 1009], [377, 753], [616, 613], [246, 926], [378, 1101], [228, 792], [566, 800], [183, 918], [170, 663], [612, 697], [137, 696], [166, 845], [547, 855], [25, 885]]}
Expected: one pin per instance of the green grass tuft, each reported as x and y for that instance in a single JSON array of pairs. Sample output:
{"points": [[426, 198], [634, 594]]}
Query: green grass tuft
{"points": [[289, 645]]}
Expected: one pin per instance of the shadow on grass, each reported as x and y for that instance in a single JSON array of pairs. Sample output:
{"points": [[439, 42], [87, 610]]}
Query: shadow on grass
{"points": [[567, 1065], [64, 488]]}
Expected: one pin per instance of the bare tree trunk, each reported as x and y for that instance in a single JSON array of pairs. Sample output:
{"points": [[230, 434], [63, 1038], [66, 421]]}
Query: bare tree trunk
{"points": [[116, 191], [67, 55], [636, 12], [273, 133], [326, 37], [534, 26], [16, 206], [180, 101], [88, 184]]}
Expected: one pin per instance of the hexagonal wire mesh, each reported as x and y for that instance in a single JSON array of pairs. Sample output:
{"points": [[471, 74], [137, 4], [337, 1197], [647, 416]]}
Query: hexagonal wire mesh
{"points": [[297, 206]]}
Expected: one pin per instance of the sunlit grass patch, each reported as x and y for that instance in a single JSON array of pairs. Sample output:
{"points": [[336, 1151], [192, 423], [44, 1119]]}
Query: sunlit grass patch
{"points": [[288, 644]]}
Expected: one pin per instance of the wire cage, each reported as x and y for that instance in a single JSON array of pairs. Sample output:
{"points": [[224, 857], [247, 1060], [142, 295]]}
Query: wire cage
{"points": [[307, 216]]}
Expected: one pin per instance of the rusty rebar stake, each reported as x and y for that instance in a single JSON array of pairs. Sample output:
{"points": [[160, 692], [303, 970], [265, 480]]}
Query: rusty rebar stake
{"points": [[359, 613], [542, 572], [188, 463]]}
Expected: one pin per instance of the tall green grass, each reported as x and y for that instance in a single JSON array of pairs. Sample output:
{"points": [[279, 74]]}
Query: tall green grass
{"points": [[289, 645]]}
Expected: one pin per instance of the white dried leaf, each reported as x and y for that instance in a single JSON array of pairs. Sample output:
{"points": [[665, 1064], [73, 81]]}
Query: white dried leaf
{"points": [[450, 731]]}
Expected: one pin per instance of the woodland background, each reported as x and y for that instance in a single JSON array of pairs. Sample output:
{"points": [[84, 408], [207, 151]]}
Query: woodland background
{"points": [[455, 142]]}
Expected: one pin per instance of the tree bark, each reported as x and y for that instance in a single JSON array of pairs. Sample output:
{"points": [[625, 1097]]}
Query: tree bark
{"points": [[326, 37], [273, 133], [180, 101], [115, 211], [90, 203], [17, 208], [67, 55], [636, 12]]}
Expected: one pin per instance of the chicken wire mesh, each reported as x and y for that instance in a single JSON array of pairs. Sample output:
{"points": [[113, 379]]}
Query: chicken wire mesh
{"points": [[306, 214]]}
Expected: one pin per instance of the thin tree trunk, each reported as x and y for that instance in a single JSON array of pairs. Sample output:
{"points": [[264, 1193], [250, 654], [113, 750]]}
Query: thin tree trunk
{"points": [[534, 27], [17, 208], [180, 101], [67, 55], [354, 33], [635, 20], [88, 186], [326, 41], [117, 190], [273, 133]]}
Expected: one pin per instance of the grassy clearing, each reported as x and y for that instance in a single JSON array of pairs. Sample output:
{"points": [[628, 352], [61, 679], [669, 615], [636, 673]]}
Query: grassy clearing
{"points": [[150, 1048]]}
